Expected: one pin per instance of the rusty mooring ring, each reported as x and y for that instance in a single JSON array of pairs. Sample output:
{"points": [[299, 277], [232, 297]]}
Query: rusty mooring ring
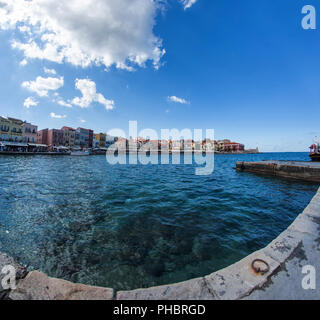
{"points": [[257, 269]]}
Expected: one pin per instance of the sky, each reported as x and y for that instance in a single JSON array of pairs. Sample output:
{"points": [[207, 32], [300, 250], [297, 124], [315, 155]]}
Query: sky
{"points": [[246, 69]]}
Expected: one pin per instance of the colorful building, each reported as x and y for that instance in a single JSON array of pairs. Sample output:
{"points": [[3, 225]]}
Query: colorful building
{"points": [[4, 129], [42, 136], [55, 138], [29, 132], [233, 147], [102, 140], [11, 129], [84, 138], [95, 142], [69, 136]]}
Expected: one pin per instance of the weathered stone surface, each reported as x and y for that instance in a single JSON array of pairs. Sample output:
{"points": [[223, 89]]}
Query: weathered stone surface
{"points": [[313, 209], [283, 246], [195, 289], [239, 279], [38, 286], [306, 224], [287, 283]]}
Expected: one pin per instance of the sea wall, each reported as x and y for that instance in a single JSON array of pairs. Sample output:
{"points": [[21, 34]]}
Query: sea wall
{"points": [[274, 272], [299, 170]]}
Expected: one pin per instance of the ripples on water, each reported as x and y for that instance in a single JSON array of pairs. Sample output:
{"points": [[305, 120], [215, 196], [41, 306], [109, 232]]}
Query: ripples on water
{"points": [[125, 227]]}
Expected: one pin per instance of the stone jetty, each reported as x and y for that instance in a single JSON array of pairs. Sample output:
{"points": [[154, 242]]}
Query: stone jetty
{"points": [[297, 170]]}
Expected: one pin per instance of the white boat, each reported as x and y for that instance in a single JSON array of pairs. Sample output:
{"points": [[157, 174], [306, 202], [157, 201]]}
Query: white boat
{"points": [[80, 153]]}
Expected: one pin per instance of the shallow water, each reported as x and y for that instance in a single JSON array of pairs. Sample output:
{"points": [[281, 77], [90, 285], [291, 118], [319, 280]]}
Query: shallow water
{"points": [[125, 227]]}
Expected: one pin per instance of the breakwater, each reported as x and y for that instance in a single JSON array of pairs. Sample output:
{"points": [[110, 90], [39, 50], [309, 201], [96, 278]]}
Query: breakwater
{"points": [[297, 170]]}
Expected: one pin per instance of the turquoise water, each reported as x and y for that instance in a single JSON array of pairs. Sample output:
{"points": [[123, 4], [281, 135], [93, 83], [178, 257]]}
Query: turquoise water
{"points": [[125, 227]]}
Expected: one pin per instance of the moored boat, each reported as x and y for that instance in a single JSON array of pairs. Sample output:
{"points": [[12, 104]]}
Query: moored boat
{"points": [[315, 156], [80, 153], [314, 151]]}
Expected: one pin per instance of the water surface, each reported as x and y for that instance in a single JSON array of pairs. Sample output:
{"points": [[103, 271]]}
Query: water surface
{"points": [[126, 227]]}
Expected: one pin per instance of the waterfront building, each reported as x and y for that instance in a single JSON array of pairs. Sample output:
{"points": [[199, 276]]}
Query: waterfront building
{"points": [[209, 145], [4, 129], [95, 142], [55, 138], [90, 138], [221, 144], [233, 147], [177, 145], [228, 146], [164, 145], [187, 145], [10, 129], [122, 144], [109, 141], [77, 139], [68, 136], [102, 139], [42, 137], [84, 137], [29, 132]]}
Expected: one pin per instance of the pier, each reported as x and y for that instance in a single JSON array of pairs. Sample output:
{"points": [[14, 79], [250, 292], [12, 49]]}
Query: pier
{"points": [[297, 170]]}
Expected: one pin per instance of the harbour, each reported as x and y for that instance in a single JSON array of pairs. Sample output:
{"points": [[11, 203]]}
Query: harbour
{"points": [[119, 226]]}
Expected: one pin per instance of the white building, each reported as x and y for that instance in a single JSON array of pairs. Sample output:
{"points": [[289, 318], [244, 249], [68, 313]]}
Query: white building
{"points": [[29, 132]]}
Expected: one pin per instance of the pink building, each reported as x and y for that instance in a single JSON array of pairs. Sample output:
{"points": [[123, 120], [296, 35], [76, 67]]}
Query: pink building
{"points": [[55, 138], [233, 147], [42, 136]]}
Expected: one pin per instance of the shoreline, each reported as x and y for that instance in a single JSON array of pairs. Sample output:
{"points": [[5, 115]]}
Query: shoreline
{"points": [[13, 153]]}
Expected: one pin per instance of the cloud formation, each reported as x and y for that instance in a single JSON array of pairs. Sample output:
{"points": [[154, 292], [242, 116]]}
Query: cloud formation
{"points": [[64, 103], [188, 3], [57, 116], [82, 33], [49, 71], [41, 86], [30, 102], [89, 95], [178, 100]]}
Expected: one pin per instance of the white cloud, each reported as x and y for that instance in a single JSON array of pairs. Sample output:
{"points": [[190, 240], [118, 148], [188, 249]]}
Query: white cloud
{"points": [[64, 103], [30, 102], [23, 62], [82, 121], [57, 116], [49, 71], [178, 100], [89, 95], [87, 32], [42, 86], [188, 3]]}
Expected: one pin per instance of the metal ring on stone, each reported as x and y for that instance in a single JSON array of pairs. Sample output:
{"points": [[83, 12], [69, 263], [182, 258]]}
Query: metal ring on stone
{"points": [[258, 269]]}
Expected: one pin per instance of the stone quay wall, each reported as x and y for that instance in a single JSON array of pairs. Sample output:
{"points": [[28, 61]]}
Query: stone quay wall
{"points": [[298, 170]]}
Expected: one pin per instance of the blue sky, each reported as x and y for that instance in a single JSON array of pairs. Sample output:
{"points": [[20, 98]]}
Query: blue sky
{"points": [[244, 68]]}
